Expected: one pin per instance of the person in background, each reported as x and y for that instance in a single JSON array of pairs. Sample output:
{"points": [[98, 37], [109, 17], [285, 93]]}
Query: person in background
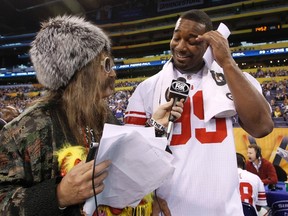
{"points": [[260, 166], [272, 104], [251, 187], [119, 112], [285, 109], [277, 112], [43, 150], [205, 181]]}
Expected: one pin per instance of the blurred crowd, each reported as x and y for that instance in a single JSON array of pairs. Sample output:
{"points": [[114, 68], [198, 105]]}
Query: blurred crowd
{"points": [[277, 95], [261, 73], [19, 97]]}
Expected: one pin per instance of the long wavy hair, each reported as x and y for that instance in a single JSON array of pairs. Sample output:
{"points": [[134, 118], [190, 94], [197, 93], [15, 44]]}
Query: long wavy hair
{"points": [[81, 101]]}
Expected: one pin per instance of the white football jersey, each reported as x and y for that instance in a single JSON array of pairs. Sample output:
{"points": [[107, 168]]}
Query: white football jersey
{"points": [[205, 181], [251, 188]]}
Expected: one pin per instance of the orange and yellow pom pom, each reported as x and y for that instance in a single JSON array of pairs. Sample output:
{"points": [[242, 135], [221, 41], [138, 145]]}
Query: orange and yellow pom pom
{"points": [[69, 156]]}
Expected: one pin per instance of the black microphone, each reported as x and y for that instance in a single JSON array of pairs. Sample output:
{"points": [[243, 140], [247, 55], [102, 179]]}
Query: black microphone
{"points": [[178, 90], [93, 150]]}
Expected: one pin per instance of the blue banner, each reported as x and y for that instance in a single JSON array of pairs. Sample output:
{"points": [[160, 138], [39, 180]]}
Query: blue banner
{"points": [[248, 53], [17, 74], [140, 64]]}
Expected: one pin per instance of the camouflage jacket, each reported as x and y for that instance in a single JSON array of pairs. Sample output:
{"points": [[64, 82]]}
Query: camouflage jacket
{"points": [[29, 172]]}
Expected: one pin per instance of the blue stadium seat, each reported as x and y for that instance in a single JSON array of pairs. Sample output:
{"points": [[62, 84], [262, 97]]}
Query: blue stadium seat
{"points": [[282, 212], [280, 207]]}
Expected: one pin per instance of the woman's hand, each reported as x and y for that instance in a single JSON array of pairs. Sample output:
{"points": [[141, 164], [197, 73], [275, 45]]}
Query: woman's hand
{"points": [[162, 113], [76, 186]]}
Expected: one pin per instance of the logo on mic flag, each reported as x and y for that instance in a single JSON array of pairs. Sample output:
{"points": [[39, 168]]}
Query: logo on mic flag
{"points": [[179, 89]]}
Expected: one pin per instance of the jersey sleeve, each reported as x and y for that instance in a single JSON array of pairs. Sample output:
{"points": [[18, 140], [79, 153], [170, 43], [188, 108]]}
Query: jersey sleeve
{"points": [[256, 84], [140, 104], [254, 81], [261, 201]]}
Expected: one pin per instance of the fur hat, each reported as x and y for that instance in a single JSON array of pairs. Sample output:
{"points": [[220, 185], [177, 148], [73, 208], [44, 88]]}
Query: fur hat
{"points": [[64, 45]]}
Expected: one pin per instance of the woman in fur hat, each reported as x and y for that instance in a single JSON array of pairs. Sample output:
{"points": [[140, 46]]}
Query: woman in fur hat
{"points": [[43, 150]]}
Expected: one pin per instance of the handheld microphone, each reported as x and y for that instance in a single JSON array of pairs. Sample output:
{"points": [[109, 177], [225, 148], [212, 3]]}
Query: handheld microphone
{"points": [[93, 150], [178, 90]]}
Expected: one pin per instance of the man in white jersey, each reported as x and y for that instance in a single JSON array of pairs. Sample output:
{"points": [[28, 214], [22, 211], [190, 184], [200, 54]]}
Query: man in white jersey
{"points": [[251, 187], [205, 181]]}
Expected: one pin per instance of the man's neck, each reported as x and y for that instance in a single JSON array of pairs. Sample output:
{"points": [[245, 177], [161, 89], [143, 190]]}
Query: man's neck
{"points": [[192, 70], [256, 162]]}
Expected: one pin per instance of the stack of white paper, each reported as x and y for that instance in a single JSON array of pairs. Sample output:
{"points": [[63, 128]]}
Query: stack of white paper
{"points": [[140, 165]]}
